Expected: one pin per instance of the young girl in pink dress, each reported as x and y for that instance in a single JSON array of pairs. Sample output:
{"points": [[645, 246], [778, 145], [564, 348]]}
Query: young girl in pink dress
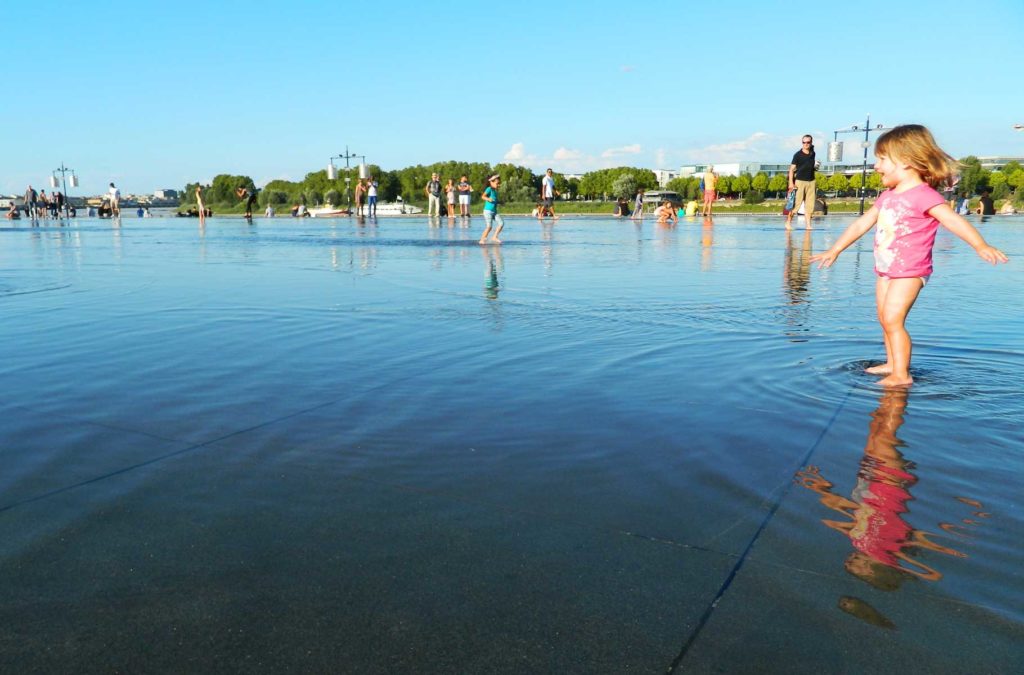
{"points": [[907, 214]]}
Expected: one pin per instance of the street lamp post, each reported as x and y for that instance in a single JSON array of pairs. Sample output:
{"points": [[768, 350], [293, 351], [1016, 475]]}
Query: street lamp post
{"points": [[64, 171], [835, 151], [332, 172]]}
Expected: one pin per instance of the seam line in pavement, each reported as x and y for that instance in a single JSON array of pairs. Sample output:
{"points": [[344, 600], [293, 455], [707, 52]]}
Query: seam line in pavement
{"points": [[706, 616]]}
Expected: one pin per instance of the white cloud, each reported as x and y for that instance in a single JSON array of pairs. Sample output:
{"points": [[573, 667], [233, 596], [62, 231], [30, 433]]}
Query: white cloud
{"points": [[564, 154], [516, 153], [633, 149]]}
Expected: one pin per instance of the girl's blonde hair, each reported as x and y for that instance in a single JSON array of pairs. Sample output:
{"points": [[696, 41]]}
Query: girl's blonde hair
{"points": [[915, 145]]}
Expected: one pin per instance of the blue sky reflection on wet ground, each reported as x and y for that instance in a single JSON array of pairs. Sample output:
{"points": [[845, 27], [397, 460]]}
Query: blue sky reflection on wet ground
{"points": [[602, 446]]}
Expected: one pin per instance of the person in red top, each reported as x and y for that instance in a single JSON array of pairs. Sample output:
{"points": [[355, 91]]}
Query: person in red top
{"points": [[908, 214]]}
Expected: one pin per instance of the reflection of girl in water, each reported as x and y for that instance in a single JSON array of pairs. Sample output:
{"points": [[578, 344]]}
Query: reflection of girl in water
{"points": [[883, 541], [494, 264]]}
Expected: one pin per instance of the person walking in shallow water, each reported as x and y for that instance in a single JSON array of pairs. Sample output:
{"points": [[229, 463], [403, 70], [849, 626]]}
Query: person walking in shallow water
{"points": [[801, 179], [491, 216], [249, 195], [638, 205], [30, 202], [115, 201], [907, 215], [200, 206]]}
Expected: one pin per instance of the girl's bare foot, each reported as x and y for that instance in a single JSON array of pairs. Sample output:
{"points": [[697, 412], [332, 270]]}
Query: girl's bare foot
{"points": [[893, 381], [495, 240], [880, 369], [482, 242]]}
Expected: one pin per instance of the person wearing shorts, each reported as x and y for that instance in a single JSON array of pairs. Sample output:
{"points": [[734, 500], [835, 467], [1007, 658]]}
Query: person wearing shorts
{"points": [[465, 190], [801, 179], [710, 193], [449, 191], [547, 195], [491, 216], [115, 201]]}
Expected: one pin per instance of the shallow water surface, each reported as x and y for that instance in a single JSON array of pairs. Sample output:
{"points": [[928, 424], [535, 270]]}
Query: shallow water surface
{"points": [[603, 446]]}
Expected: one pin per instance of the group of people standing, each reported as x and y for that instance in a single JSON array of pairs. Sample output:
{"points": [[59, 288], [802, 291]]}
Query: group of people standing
{"points": [[452, 192], [366, 188], [38, 205]]}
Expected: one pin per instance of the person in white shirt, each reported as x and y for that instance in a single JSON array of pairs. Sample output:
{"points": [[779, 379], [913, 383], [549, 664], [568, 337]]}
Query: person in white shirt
{"points": [[269, 213], [371, 197], [115, 201], [547, 195]]}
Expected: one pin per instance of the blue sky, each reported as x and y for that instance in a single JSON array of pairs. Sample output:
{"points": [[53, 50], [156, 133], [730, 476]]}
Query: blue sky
{"points": [[161, 95]]}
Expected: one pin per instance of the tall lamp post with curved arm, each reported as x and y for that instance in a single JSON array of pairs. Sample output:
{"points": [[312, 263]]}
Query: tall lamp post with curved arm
{"points": [[835, 151], [64, 171], [332, 172]]}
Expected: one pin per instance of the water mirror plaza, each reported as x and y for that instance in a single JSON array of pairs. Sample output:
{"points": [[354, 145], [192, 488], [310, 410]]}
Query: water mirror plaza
{"points": [[334, 446]]}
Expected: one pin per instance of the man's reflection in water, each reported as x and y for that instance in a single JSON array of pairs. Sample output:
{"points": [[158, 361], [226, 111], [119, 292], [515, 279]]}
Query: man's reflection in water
{"points": [[796, 275], [885, 545], [797, 271], [707, 240]]}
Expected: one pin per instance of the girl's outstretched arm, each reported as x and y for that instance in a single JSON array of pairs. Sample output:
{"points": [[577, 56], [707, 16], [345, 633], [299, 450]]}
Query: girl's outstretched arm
{"points": [[854, 232], [961, 228]]}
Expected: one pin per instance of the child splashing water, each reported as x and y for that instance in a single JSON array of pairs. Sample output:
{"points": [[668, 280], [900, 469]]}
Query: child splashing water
{"points": [[907, 214]]}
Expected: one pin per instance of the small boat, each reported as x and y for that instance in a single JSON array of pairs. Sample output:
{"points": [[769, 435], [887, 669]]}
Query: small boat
{"points": [[396, 209], [328, 212], [383, 209]]}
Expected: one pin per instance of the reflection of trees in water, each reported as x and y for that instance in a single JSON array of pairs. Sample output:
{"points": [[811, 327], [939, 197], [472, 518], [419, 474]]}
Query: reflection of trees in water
{"points": [[885, 545]]}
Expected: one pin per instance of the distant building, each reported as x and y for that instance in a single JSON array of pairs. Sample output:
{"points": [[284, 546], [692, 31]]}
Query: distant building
{"points": [[664, 176], [771, 170], [734, 169], [165, 194], [997, 163]]}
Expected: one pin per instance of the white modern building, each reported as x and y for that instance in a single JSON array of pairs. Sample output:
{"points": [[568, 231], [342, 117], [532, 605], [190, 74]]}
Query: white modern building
{"points": [[664, 176], [734, 169], [165, 194]]}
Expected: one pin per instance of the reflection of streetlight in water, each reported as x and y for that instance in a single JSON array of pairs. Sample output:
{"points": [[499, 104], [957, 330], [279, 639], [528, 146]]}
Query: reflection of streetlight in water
{"points": [[885, 545]]}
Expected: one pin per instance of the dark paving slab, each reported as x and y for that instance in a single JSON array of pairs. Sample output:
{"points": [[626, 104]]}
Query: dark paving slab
{"points": [[781, 620], [235, 565], [43, 452]]}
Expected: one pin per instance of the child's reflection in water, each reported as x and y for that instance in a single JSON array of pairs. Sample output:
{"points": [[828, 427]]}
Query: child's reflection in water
{"points": [[883, 541], [492, 256]]}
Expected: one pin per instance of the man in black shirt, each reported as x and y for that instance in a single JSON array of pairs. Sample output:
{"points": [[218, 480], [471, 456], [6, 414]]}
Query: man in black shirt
{"points": [[801, 179]]}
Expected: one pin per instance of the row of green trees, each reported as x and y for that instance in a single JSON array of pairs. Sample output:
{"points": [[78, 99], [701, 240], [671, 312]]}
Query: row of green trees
{"points": [[520, 184]]}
